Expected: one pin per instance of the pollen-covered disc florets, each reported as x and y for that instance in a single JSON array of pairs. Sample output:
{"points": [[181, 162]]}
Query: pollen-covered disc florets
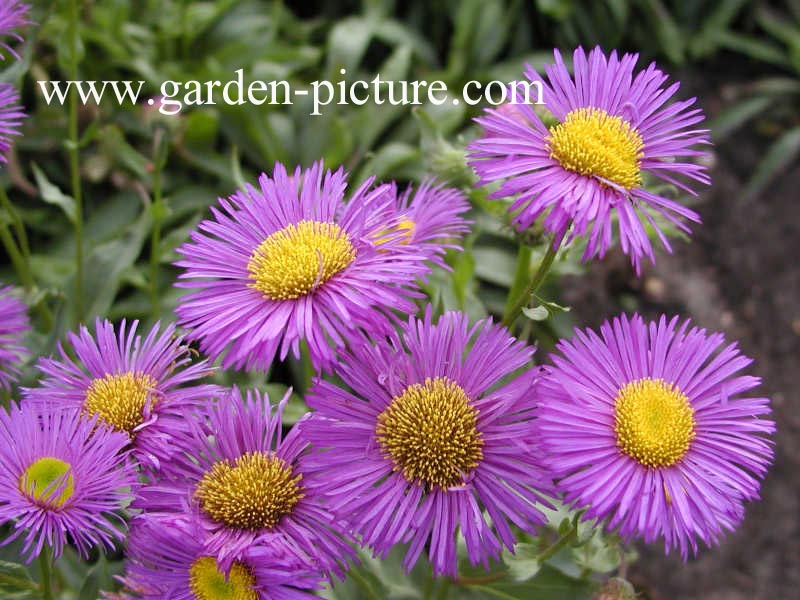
{"points": [[430, 432], [591, 142], [120, 400], [296, 260], [653, 421], [252, 492]]}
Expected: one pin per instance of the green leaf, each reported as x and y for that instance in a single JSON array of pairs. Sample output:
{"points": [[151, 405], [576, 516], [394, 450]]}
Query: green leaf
{"points": [[493, 264], [385, 578], [373, 119], [107, 263], [347, 43], [552, 306], [754, 48], [731, 119], [16, 582], [714, 26], [524, 563], [598, 555], [537, 313], [778, 26], [295, 409], [560, 10], [115, 144], [549, 583], [112, 217], [99, 578], [390, 160], [463, 271], [52, 195], [670, 37], [72, 569], [201, 129], [781, 154], [776, 86]]}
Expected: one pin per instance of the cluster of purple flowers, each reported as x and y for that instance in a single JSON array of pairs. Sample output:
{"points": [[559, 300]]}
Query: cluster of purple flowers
{"points": [[434, 430]]}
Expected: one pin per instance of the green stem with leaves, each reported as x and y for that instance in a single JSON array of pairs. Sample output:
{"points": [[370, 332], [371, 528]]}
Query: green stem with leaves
{"points": [[45, 566], [158, 212], [17, 259], [20, 257], [568, 537], [19, 227], [522, 273], [73, 149], [22, 267], [518, 300], [155, 252]]}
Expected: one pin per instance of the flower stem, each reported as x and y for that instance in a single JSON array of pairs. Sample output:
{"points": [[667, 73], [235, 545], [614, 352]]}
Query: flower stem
{"points": [[522, 273], [430, 581], [155, 242], [565, 539], [19, 228], [19, 262], [45, 559], [20, 257], [444, 590], [74, 158], [514, 309], [158, 211], [481, 579]]}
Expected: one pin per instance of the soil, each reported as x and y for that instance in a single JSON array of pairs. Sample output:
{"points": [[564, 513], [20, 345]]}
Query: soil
{"points": [[739, 275]]}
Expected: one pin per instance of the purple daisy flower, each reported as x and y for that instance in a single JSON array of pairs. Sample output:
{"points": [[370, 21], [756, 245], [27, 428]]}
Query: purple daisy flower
{"points": [[61, 476], [435, 431], [430, 218], [247, 485], [167, 560], [133, 385], [612, 128], [11, 115], [14, 325], [13, 14], [291, 262], [645, 427]]}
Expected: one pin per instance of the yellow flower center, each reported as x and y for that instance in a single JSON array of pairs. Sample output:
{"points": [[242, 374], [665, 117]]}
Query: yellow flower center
{"points": [[430, 433], [296, 260], [44, 478], [252, 493], [654, 422], [120, 399], [591, 142], [207, 582]]}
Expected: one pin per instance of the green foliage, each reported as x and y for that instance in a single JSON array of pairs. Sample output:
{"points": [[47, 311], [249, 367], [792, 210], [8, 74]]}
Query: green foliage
{"points": [[771, 102], [16, 582]]}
